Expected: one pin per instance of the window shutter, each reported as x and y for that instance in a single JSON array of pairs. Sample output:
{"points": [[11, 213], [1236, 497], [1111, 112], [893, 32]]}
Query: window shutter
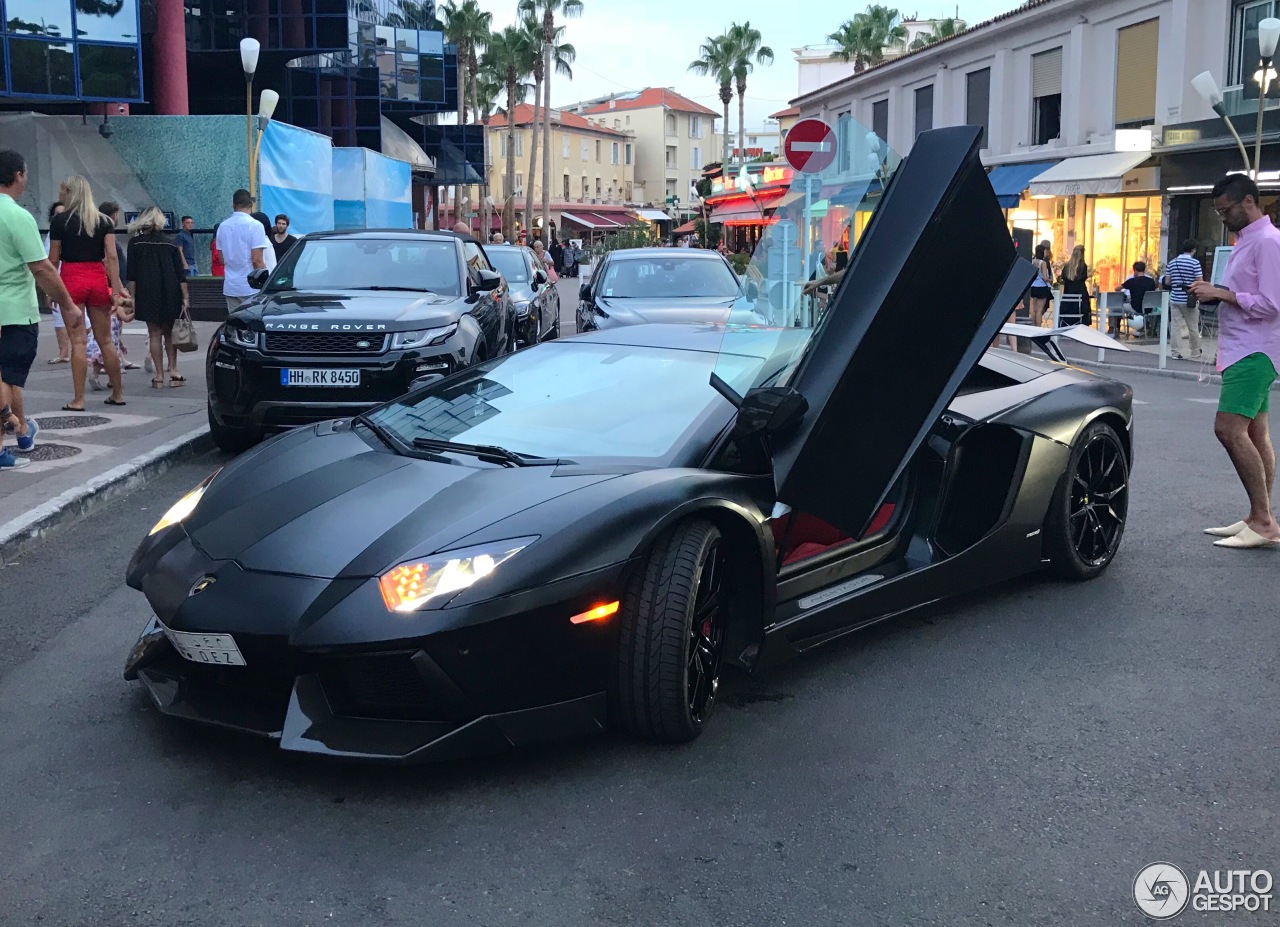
{"points": [[924, 109], [977, 104], [1046, 73], [1137, 52]]}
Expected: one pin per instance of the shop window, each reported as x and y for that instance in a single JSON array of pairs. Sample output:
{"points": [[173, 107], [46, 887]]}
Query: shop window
{"points": [[977, 102], [1137, 57], [1046, 95], [924, 109], [880, 119], [1120, 231]]}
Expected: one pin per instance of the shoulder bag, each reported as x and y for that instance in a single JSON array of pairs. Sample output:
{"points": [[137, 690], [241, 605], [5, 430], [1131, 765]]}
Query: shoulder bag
{"points": [[184, 333]]}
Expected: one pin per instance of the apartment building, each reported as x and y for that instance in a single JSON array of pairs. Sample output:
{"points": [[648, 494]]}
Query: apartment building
{"points": [[593, 170], [1090, 122], [674, 136]]}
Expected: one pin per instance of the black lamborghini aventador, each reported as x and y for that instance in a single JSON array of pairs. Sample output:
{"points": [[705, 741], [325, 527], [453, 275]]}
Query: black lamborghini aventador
{"points": [[584, 533]]}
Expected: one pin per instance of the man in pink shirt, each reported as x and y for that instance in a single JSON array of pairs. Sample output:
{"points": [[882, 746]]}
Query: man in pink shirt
{"points": [[1248, 355]]}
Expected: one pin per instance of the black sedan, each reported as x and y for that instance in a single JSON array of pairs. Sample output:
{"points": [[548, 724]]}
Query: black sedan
{"points": [[349, 320], [585, 533], [634, 286], [536, 301]]}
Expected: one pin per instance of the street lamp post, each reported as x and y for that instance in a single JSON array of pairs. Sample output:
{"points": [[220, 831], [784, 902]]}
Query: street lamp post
{"points": [[267, 102], [1207, 87], [249, 49]]}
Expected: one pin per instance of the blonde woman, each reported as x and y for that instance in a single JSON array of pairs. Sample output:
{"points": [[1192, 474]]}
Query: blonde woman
{"points": [[158, 285], [1075, 282], [83, 240]]}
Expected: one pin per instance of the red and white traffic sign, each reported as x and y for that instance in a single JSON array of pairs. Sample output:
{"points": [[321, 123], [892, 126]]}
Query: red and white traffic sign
{"points": [[810, 146]]}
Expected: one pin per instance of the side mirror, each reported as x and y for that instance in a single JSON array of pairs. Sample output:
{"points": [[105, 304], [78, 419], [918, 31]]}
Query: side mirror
{"points": [[258, 278], [584, 292], [489, 281], [752, 291], [539, 278]]}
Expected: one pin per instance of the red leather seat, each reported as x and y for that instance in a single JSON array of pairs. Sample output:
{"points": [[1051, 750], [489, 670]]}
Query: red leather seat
{"points": [[810, 536]]}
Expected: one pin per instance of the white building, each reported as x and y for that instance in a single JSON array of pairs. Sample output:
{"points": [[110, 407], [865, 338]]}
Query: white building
{"points": [[1052, 83]]}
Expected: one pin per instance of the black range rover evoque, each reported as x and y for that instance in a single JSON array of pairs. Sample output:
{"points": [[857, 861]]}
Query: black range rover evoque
{"points": [[350, 319]]}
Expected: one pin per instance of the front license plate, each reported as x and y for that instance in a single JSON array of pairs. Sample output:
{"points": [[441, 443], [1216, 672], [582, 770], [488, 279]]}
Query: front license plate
{"points": [[319, 376], [213, 649]]}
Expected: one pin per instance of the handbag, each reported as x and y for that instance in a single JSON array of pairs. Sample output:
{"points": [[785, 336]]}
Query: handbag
{"points": [[184, 333]]}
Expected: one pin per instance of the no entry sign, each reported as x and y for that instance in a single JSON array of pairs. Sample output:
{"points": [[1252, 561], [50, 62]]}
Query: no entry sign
{"points": [[810, 146]]}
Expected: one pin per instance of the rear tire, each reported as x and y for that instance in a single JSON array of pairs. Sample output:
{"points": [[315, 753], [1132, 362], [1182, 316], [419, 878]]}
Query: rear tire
{"points": [[672, 629], [231, 440], [1089, 509]]}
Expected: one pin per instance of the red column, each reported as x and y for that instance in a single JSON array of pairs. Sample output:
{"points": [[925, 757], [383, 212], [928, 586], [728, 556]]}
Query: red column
{"points": [[260, 20], [169, 77], [291, 19]]}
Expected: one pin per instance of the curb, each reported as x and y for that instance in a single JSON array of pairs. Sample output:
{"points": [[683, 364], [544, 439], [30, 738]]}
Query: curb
{"points": [[33, 526]]}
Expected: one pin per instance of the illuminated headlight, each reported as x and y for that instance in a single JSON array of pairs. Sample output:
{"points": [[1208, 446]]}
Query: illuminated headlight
{"points": [[241, 337], [522, 307], [184, 506], [423, 338], [410, 586]]}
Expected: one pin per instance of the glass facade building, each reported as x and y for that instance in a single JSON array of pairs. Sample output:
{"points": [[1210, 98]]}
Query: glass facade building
{"points": [[71, 50]]}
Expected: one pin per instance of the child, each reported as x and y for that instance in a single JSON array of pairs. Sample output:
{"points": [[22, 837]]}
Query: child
{"points": [[122, 313]]}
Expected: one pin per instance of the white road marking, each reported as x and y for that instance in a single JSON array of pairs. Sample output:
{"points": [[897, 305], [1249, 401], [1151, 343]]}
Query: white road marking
{"points": [[1141, 402], [1189, 399]]}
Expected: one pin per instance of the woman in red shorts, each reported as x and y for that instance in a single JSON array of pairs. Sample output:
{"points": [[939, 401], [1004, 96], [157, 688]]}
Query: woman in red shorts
{"points": [[84, 241]]}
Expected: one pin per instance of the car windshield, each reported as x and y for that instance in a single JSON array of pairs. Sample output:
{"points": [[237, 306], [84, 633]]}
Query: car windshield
{"points": [[370, 263], [510, 263], [668, 277], [576, 400]]}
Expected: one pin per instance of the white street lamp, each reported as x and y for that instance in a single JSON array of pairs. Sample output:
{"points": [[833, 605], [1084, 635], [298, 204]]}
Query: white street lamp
{"points": [[267, 103], [1268, 36], [249, 49], [1207, 87]]}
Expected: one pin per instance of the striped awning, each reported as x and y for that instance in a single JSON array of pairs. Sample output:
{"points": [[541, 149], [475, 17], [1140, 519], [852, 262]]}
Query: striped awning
{"points": [[592, 220]]}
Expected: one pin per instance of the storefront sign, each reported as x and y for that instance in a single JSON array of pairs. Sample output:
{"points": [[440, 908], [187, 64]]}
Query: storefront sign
{"points": [[776, 175], [1141, 179]]}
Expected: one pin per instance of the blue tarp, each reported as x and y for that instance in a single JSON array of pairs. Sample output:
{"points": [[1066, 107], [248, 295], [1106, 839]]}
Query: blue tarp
{"points": [[296, 175], [371, 190], [1010, 180]]}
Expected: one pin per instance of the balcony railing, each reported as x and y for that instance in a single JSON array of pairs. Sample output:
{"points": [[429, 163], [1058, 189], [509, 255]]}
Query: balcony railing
{"points": [[1236, 104]]}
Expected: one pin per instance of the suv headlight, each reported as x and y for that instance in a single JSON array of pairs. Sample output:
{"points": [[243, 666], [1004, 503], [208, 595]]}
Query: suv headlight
{"points": [[241, 337], [410, 586], [422, 338]]}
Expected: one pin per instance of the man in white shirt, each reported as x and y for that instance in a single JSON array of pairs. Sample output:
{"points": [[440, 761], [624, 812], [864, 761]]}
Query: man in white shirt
{"points": [[243, 243]]}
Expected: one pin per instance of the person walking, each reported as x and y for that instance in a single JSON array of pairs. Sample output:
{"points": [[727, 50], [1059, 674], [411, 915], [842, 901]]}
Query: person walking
{"points": [[59, 326], [158, 285], [84, 241], [216, 266], [243, 243], [1041, 295], [1248, 355], [1183, 271], [557, 255], [23, 264], [1075, 282], [186, 242], [281, 240]]}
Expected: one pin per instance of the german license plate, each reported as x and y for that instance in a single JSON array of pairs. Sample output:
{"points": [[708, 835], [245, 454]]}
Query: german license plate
{"points": [[319, 376], [213, 649]]}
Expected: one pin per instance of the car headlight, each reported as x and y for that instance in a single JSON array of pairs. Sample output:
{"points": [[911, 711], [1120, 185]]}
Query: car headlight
{"points": [[242, 337], [409, 586], [423, 337], [522, 307], [184, 506]]}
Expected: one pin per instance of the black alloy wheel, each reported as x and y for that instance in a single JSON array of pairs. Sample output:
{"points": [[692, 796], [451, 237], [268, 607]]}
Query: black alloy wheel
{"points": [[672, 632], [231, 440], [1090, 507]]}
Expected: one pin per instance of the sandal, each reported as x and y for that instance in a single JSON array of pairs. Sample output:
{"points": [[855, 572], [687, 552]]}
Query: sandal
{"points": [[177, 378], [59, 360], [157, 383], [114, 402], [131, 366], [70, 408]]}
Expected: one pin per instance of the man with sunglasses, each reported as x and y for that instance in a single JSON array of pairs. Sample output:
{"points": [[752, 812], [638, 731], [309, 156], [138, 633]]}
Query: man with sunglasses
{"points": [[1248, 355]]}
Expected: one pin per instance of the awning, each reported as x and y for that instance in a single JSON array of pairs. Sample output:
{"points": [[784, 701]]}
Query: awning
{"points": [[591, 220], [398, 144], [687, 228], [1010, 180], [740, 214], [1089, 175], [651, 215]]}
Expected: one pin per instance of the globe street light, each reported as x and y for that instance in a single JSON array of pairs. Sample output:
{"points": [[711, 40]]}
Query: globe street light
{"points": [[267, 103], [1268, 36], [249, 49], [1207, 87]]}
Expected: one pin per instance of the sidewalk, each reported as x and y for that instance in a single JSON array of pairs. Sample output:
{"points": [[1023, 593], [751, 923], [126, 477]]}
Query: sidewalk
{"points": [[82, 459]]}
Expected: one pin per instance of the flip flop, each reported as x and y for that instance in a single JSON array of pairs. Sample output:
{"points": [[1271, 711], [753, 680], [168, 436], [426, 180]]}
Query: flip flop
{"points": [[70, 408], [59, 360], [1229, 531], [113, 402], [1247, 539]]}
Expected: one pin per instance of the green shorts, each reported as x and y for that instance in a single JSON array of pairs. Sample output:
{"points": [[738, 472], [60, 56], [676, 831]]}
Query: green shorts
{"points": [[1246, 386]]}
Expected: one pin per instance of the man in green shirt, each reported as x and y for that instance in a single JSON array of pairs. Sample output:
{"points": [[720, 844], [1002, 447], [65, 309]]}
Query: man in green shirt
{"points": [[22, 263]]}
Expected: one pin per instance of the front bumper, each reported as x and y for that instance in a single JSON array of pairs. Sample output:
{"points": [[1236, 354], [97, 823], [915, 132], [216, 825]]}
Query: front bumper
{"points": [[245, 389]]}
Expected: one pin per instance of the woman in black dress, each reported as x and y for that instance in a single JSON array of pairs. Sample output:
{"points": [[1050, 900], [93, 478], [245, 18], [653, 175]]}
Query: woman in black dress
{"points": [[1075, 282], [158, 284]]}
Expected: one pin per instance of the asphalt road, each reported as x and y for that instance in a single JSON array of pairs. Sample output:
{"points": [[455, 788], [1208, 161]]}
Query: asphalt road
{"points": [[1012, 758]]}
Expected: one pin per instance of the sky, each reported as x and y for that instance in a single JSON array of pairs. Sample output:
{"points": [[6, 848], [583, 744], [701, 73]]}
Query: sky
{"points": [[631, 44]]}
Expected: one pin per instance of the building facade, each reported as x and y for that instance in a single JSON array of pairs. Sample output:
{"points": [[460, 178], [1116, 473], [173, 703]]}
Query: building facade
{"points": [[674, 136], [1086, 108]]}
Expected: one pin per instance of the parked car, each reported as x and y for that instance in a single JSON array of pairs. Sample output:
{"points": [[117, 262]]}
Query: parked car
{"points": [[640, 285], [349, 320], [537, 302], [585, 533]]}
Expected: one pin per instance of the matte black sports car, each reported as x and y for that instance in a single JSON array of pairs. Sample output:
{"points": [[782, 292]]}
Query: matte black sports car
{"points": [[584, 533], [351, 319]]}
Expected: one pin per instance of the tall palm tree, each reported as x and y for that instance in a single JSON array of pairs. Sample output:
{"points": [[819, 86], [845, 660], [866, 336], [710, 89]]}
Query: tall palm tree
{"points": [[864, 38], [939, 29], [716, 59], [562, 56], [887, 23], [488, 87], [468, 27], [546, 10], [748, 51], [511, 56]]}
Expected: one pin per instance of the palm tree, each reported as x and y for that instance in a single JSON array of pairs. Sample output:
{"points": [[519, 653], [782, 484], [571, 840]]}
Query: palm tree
{"points": [[716, 58], [745, 40], [546, 10], [887, 23], [563, 55], [511, 56], [488, 87], [467, 27], [863, 38], [939, 29]]}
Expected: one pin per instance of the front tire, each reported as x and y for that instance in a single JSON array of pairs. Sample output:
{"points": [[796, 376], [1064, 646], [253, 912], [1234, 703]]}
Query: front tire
{"points": [[672, 630], [231, 440], [1090, 506]]}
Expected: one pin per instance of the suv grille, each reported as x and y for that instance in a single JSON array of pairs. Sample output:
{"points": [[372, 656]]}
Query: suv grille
{"points": [[325, 343]]}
